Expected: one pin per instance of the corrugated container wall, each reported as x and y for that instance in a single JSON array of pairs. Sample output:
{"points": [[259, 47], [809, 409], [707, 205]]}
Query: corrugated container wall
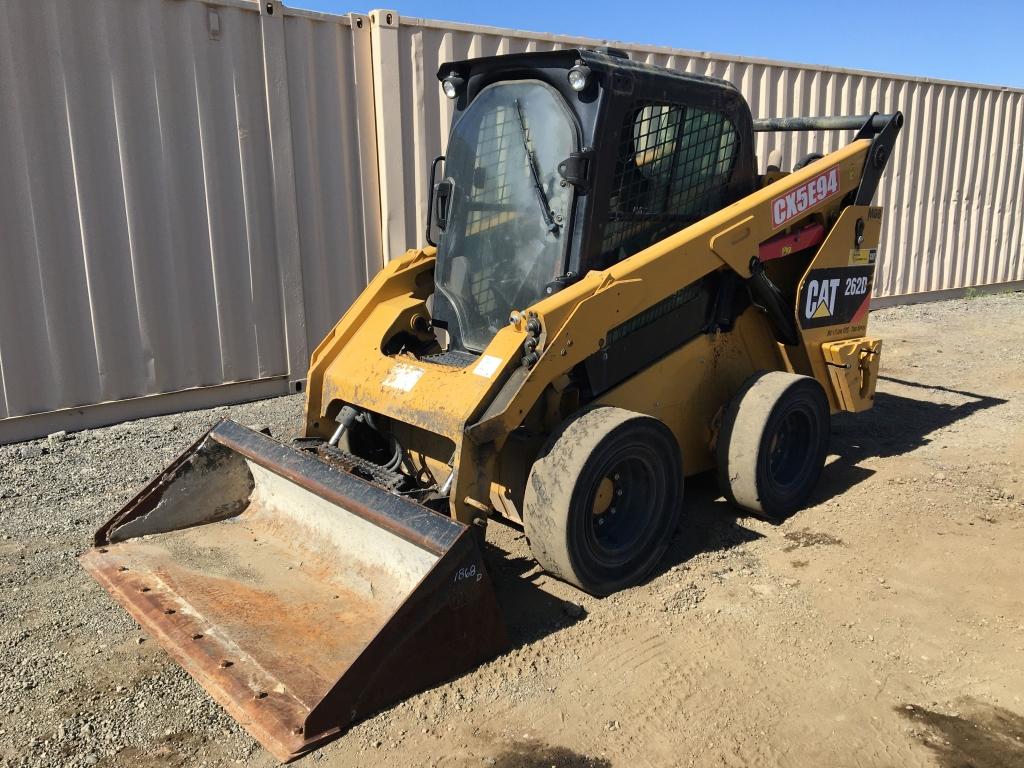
{"points": [[953, 193], [135, 202], [182, 202], [333, 142], [192, 193]]}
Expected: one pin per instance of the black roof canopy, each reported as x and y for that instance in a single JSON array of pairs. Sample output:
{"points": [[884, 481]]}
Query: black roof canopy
{"points": [[609, 61], [620, 85]]}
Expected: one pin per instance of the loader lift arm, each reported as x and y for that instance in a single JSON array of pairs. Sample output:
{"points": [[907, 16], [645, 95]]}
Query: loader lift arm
{"points": [[575, 320]]}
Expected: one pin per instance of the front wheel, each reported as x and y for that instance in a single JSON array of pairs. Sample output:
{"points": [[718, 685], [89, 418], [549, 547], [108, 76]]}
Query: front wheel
{"points": [[772, 445], [604, 498]]}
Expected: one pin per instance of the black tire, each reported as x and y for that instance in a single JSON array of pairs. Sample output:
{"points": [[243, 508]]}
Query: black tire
{"points": [[772, 445], [604, 498]]}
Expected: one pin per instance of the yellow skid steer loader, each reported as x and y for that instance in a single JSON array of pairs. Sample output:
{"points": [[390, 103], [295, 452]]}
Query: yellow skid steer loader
{"points": [[616, 299]]}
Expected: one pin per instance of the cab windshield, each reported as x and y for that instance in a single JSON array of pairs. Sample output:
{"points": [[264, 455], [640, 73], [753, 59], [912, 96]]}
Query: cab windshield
{"points": [[504, 239]]}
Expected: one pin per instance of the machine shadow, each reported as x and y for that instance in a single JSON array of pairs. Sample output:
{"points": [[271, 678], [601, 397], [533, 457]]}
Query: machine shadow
{"points": [[896, 425], [709, 524], [530, 612]]}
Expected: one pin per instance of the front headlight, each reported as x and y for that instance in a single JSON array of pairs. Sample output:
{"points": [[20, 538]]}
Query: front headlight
{"points": [[452, 85], [579, 76]]}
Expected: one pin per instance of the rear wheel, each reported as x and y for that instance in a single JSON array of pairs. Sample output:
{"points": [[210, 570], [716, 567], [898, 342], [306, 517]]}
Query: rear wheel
{"points": [[604, 498], [772, 444]]}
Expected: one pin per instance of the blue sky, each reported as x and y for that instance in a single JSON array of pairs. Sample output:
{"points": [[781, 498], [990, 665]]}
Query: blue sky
{"points": [[979, 41]]}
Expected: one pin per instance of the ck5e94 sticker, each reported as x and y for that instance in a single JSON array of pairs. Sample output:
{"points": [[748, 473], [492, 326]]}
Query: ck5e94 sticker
{"points": [[835, 296], [792, 204]]}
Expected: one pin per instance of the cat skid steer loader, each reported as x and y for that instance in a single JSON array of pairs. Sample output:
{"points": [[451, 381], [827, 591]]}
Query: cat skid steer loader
{"points": [[616, 299]]}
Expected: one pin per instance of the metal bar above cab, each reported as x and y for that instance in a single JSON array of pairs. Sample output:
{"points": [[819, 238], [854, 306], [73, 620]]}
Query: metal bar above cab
{"points": [[838, 123]]}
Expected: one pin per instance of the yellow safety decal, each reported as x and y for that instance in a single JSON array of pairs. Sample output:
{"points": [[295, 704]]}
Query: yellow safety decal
{"points": [[862, 257]]}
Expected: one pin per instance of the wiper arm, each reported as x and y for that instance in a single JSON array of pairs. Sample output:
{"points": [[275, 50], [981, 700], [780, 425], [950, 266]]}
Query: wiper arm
{"points": [[542, 198]]}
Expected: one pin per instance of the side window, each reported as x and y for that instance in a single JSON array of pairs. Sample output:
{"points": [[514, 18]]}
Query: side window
{"points": [[674, 166]]}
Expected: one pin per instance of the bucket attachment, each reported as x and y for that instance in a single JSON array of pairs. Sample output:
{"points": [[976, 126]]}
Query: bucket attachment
{"points": [[302, 598]]}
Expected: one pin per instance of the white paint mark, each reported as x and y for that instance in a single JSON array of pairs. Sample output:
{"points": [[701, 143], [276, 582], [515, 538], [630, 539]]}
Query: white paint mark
{"points": [[402, 377], [487, 365]]}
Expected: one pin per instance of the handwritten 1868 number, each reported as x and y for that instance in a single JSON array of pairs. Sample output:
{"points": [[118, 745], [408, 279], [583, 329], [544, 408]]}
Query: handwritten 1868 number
{"points": [[468, 572]]}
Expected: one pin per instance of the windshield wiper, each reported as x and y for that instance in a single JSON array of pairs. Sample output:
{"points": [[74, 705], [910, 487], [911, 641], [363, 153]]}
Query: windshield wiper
{"points": [[542, 198]]}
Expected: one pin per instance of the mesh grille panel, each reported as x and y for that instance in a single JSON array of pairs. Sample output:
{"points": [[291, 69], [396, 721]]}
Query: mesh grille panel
{"points": [[492, 158], [490, 192], [674, 167]]}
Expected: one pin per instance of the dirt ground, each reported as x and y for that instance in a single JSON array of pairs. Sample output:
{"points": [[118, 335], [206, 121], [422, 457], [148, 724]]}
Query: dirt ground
{"points": [[883, 625]]}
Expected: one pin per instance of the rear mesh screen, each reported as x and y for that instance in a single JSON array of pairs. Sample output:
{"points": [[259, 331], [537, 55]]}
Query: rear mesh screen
{"points": [[674, 167]]}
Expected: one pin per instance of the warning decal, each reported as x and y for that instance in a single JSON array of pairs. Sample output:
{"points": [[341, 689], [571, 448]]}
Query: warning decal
{"points": [[862, 256]]}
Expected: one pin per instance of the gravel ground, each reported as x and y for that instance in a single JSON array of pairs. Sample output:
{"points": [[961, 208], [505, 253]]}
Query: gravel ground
{"points": [[882, 625], [79, 683]]}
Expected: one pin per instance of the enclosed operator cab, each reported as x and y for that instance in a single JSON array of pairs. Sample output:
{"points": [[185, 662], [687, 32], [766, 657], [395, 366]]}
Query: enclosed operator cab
{"points": [[567, 161]]}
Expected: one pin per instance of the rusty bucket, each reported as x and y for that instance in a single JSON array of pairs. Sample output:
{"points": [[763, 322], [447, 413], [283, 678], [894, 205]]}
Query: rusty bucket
{"points": [[302, 598]]}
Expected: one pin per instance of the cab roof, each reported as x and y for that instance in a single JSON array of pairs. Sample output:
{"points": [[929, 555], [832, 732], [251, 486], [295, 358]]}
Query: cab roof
{"points": [[607, 60]]}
